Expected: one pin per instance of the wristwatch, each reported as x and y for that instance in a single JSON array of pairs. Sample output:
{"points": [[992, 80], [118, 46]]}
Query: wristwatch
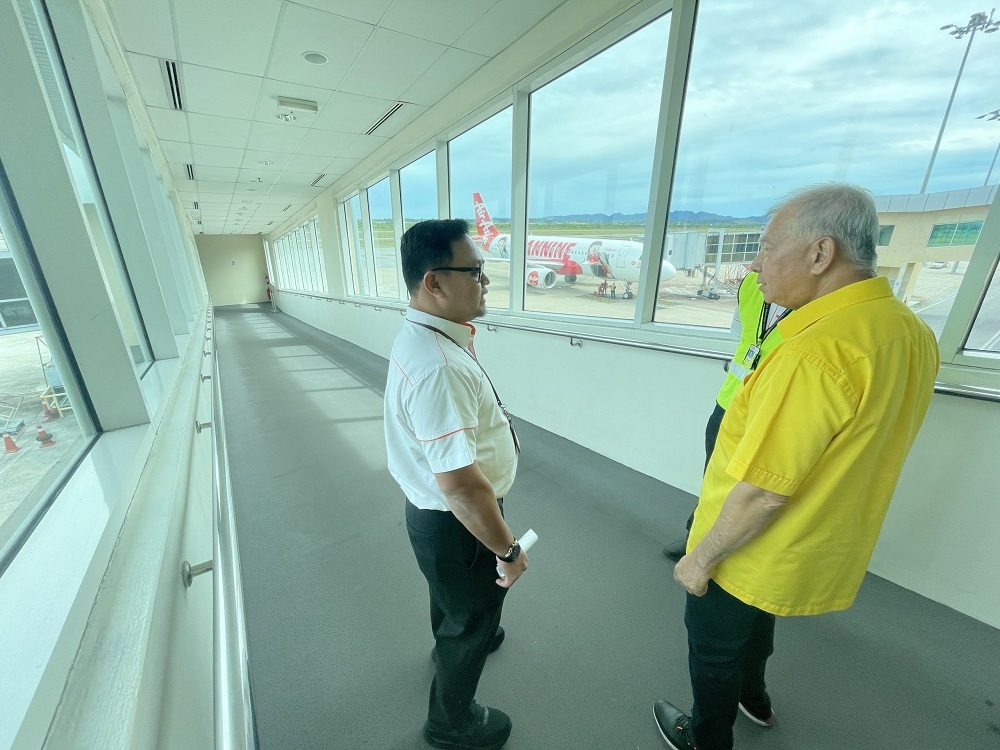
{"points": [[512, 552]]}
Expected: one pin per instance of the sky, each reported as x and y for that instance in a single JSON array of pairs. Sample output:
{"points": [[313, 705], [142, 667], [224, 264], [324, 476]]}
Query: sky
{"points": [[852, 91]]}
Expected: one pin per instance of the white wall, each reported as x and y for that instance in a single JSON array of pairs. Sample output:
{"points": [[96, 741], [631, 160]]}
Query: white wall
{"points": [[234, 267], [648, 410]]}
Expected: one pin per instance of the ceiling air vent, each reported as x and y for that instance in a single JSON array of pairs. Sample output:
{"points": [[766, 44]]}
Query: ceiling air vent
{"points": [[172, 80], [313, 183], [381, 121], [196, 205], [287, 207], [190, 171]]}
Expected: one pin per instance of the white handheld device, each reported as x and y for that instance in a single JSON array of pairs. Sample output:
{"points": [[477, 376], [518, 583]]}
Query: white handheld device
{"points": [[526, 542]]}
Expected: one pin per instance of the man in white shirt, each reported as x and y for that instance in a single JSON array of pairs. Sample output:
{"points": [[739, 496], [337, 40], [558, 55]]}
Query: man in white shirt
{"points": [[453, 451]]}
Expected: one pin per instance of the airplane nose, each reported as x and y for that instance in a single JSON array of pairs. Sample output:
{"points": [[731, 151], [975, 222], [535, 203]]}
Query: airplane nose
{"points": [[667, 271]]}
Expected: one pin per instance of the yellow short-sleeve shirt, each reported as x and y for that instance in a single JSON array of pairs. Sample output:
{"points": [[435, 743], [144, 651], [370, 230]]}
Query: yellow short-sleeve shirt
{"points": [[827, 420]]}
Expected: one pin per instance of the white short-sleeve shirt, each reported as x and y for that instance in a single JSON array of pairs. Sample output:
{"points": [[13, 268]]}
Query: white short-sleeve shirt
{"points": [[441, 413]]}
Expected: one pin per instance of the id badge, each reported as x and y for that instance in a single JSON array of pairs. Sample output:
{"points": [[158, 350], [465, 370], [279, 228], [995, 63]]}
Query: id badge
{"points": [[751, 355]]}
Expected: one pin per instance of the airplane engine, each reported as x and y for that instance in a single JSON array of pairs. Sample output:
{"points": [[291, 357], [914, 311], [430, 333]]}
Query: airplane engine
{"points": [[539, 276]]}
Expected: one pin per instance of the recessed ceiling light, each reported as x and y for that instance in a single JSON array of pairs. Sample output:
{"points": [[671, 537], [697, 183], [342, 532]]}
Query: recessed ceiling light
{"points": [[286, 117], [316, 58]]}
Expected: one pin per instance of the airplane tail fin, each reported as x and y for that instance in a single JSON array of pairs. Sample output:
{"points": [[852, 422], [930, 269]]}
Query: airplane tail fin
{"points": [[484, 224]]}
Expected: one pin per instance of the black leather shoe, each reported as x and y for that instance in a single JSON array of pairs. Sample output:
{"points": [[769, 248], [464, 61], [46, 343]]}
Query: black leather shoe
{"points": [[677, 550], [488, 730], [494, 645], [674, 725]]}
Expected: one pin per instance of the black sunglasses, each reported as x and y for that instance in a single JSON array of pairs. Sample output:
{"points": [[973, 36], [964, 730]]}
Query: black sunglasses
{"points": [[477, 271]]}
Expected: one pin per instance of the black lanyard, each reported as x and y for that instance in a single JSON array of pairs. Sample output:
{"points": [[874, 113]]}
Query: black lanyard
{"points": [[763, 331], [510, 422]]}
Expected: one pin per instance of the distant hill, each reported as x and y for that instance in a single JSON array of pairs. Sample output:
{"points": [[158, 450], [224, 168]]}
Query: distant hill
{"points": [[690, 217]]}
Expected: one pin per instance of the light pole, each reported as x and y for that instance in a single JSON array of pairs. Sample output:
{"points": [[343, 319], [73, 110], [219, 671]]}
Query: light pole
{"points": [[994, 115], [978, 22]]}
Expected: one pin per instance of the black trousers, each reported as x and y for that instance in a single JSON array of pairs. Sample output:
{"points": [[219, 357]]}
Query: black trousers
{"points": [[728, 646], [465, 609]]}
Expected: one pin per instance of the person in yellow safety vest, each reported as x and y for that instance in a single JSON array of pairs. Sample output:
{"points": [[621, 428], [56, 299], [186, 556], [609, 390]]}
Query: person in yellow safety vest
{"points": [[756, 323]]}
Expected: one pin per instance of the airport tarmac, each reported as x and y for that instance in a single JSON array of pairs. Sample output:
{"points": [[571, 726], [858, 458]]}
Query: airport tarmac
{"points": [[25, 475]]}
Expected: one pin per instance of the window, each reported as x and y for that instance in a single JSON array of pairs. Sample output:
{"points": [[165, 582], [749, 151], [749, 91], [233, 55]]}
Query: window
{"points": [[957, 233], [15, 310], [418, 188], [40, 431], [357, 248], [313, 228], [591, 140], [985, 333], [88, 190], [731, 168], [383, 239], [299, 258], [479, 161]]}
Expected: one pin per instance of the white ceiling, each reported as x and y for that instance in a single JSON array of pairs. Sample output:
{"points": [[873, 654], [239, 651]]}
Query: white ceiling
{"points": [[236, 57]]}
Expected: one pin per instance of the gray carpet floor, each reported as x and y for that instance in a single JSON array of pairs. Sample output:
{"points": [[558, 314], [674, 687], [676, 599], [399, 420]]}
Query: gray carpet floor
{"points": [[337, 610]]}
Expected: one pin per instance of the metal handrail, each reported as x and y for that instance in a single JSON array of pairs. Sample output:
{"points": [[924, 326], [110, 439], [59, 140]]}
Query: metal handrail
{"points": [[235, 724], [949, 389]]}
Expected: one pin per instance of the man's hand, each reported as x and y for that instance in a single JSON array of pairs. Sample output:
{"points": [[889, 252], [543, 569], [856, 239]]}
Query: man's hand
{"points": [[689, 574], [512, 571]]}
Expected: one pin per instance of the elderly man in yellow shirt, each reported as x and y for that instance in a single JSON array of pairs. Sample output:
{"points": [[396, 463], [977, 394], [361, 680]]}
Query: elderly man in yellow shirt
{"points": [[807, 458]]}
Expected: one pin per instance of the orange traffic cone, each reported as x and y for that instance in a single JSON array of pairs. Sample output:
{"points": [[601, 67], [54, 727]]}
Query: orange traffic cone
{"points": [[50, 414], [44, 438], [9, 446]]}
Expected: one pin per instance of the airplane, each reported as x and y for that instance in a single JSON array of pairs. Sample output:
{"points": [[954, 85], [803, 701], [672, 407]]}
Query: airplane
{"points": [[551, 257]]}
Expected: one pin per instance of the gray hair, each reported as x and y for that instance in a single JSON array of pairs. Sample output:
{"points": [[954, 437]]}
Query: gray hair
{"points": [[844, 212]]}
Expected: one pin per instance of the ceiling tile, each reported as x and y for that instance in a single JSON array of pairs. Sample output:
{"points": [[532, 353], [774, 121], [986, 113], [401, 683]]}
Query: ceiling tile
{"points": [[503, 23], [149, 77], [177, 152], [307, 163], [276, 137], [309, 30], [218, 174], [205, 186], [186, 196], [144, 26], [209, 130], [351, 113], [449, 70], [296, 178], [248, 175], [325, 143], [215, 156], [179, 173], [267, 103], [169, 124], [253, 158], [389, 64], [341, 165], [399, 120], [362, 146], [219, 92], [227, 34], [369, 11], [441, 21]]}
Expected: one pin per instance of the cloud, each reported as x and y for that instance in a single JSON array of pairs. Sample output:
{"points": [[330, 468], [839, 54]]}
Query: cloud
{"points": [[778, 96]]}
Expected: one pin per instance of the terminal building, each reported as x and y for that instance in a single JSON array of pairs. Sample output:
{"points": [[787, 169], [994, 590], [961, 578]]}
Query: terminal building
{"points": [[201, 205]]}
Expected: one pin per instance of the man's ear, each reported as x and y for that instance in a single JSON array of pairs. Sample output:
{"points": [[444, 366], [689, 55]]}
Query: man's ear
{"points": [[431, 284], [824, 252]]}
